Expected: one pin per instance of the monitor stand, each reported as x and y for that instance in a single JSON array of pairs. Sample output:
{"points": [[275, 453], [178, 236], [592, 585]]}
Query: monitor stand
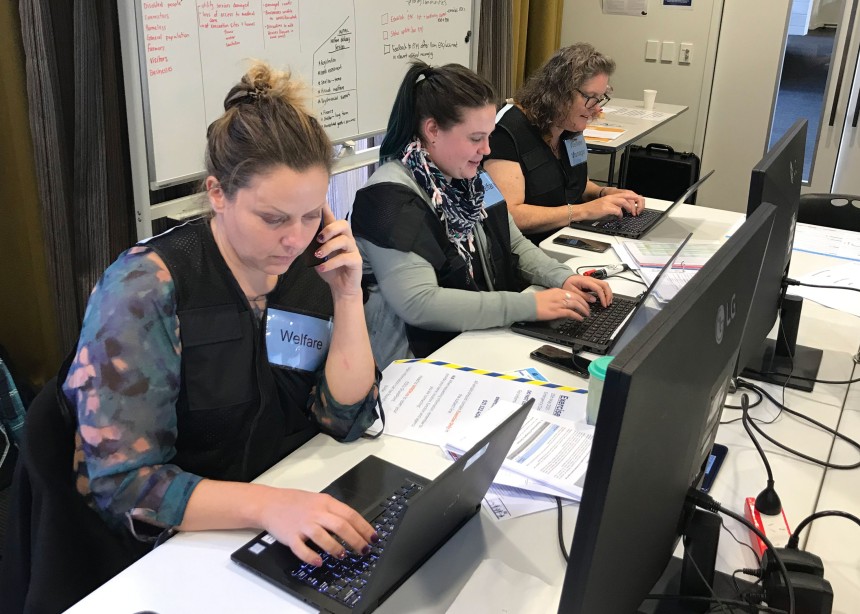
{"points": [[681, 578], [785, 357]]}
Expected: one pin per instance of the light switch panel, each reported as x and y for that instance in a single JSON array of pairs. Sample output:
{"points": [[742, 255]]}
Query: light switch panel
{"points": [[652, 50], [668, 52]]}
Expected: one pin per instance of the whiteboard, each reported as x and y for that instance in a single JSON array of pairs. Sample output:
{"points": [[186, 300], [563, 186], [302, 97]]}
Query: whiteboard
{"points": [[352, 53]]}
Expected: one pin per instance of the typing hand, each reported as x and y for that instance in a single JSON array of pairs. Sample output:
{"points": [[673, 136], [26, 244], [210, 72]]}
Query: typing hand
{"points": [[559, 303], [591, 289], [296, 516]]}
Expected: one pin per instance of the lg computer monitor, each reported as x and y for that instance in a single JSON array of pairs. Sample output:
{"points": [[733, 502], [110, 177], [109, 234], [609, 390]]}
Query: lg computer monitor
{"points": [[660, 408], [776, 179]]}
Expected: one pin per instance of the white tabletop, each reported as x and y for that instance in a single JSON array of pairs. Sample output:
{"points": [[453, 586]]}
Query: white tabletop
{"points": [[193, 572], [837, 540], [635, 128]]}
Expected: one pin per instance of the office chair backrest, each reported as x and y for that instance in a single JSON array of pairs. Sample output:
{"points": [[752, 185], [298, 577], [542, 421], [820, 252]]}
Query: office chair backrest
{"points": [[840, 211]]}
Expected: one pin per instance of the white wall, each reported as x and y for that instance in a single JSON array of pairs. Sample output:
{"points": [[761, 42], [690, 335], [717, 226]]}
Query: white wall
{"points": [[826, 12], [749, 63], [623, 38], [747, 60]]}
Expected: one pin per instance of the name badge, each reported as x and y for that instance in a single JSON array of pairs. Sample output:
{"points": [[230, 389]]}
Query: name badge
{"points": [[295, 340], [492, 194], [577, 150]]}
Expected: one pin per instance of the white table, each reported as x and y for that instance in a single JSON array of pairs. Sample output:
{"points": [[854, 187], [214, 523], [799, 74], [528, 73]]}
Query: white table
{"points": [[635, 128], [193, 572], [836, 540]]}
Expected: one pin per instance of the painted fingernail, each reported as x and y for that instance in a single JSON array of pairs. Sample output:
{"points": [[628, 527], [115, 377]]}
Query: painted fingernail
{"points": [[317, 562], [342, 554], [320, 237], [374, 538], [318, 253], [366, 550]]}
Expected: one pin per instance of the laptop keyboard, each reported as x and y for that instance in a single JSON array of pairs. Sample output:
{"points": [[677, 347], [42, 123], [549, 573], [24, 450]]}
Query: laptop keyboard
{"points": [[632, 223], [345, 579], [598, 327]]}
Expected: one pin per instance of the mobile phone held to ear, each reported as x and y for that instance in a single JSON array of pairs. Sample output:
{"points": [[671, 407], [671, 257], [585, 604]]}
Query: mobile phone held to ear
{"points": [[713, 464], [580, 243], [310, 253], [562, 359]]}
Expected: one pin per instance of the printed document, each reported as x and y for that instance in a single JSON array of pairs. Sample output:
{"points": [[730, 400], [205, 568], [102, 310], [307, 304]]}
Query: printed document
{"points": [[424, 400]]}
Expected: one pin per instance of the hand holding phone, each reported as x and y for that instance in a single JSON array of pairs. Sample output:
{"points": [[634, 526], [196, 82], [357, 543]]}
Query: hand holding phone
{"points": [[310, 253], [580, 243]]}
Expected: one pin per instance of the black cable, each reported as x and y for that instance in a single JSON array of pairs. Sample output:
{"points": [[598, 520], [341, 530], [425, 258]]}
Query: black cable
{"points": [[751, 549], [714, 597], [733, 602], [794, 282], [707, 502], [561, 532], [753, 404], [795, 537], [806, 379], [834, 432], [767, 502], [635, 281]]}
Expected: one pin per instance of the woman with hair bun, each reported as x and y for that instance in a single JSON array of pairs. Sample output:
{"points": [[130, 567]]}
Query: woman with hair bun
{"points": [[210, 352], [539, 158], [438, 259]]}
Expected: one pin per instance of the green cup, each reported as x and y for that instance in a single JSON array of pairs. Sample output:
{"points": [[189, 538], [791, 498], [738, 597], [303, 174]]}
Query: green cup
{"points": [[596, 377]]}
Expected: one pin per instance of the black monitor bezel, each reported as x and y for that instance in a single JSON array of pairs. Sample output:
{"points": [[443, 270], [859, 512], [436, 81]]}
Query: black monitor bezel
{"points": [[624, 541]]}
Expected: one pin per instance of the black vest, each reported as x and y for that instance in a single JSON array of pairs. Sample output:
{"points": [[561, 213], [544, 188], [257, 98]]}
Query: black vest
{"points": [[393, 215], [236, 414], [549, 181]]}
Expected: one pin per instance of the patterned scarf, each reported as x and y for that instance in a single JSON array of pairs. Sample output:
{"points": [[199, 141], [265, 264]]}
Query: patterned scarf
{"points": [[459, 202]]}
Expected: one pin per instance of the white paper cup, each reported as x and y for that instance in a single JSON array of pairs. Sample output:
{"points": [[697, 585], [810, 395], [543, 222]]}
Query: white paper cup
{"points": [[648, 97]]}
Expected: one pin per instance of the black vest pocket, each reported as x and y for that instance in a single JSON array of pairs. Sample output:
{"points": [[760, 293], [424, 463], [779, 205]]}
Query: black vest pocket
{"points": [[217, 356]]}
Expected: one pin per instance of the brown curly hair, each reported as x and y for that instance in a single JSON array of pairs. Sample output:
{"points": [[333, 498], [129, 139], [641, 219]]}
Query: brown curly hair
{"points": [[548, 93]]}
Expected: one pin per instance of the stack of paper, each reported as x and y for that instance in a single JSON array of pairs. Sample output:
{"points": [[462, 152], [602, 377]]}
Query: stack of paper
{"points": [[602, 133], [454, 406], [656, 254]]}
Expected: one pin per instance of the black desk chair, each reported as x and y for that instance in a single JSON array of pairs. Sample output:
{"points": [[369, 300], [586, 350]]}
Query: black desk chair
{"points": [[840, 211], [57, 548]]}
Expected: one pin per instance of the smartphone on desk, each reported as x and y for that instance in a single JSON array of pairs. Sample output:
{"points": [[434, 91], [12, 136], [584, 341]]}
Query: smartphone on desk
{"points": [[562, 359], [713, 464], [580, 243]]}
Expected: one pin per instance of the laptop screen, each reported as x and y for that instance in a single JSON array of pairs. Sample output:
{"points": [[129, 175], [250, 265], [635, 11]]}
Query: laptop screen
{"points": [[665, 286]]}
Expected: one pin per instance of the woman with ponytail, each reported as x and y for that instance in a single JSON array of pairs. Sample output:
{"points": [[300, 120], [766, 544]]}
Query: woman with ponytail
{"points": [[438, 259]]}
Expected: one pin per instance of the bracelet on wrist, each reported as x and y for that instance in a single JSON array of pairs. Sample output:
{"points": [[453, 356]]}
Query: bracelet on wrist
{"points": [[569, 214], [600, 193]]}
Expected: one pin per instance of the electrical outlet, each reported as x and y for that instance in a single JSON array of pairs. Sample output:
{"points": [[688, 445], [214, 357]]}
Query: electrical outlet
{"points": [[686, 54]]}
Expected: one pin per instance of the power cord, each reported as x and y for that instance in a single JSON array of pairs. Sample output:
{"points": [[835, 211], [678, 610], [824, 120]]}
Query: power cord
{"points": [[561, 532], [797, 414], [708, 503], [795, 537], [794, 282]]}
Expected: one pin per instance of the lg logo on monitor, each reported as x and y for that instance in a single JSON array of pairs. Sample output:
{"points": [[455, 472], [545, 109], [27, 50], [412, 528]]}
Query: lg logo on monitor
{"points": [[725, 315]]}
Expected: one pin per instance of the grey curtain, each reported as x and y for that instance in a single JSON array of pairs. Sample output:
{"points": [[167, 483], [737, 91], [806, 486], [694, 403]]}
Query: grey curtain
{"points": [[77, 121], [495, 45]]}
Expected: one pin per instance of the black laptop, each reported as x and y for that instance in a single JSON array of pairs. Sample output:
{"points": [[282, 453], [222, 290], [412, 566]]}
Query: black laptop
{"points": [[597, 332], [635, 226], [413, 517]]}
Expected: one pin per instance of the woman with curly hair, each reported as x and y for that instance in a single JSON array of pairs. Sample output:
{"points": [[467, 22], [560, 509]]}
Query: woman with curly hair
{"points": [[539, 158]]}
